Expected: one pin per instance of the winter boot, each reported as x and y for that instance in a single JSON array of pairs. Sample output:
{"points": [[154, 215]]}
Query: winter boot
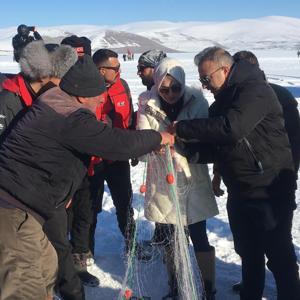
{"points": [[89, 257], [206, 263], [86, 278]]}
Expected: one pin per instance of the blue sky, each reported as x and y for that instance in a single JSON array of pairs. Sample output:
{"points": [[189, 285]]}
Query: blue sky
{"points": [[114, 12]]}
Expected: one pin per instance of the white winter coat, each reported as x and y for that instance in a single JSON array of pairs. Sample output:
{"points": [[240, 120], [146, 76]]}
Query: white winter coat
{"points": [[196, 198]]}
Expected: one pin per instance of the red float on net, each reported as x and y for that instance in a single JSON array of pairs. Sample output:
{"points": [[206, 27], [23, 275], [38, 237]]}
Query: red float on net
{"points": [[143, 189], [127, 294], [170, 178]]}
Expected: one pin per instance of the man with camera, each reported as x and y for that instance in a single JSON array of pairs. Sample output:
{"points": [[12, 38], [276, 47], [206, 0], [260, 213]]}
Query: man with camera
{"points": [[23, 38]]}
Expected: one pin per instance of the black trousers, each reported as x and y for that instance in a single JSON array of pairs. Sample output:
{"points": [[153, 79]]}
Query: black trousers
{"points": [[87, 203], [164, 234], [117, 177], [259, 230], [68, 282], [80, 214]]}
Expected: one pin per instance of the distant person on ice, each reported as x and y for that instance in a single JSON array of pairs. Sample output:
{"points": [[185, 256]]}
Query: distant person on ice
{"points": [[42, 162], [245, 136], [129, 54], [169, 100]]}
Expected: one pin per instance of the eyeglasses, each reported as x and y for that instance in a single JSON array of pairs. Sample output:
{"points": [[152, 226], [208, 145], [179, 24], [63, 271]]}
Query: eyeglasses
{"points": [[174, 88], [205, 80], [116, 69]]}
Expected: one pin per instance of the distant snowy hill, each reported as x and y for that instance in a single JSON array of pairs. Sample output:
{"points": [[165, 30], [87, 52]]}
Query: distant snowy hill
{"points": [[272, 32], [263, 33]]}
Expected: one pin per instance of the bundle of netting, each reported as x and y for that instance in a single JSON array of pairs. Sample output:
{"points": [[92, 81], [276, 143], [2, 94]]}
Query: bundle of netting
{"points": [[166, 185]]}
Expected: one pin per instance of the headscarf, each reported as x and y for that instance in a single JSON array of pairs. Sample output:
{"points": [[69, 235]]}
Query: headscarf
{"points": [[169, 66]]}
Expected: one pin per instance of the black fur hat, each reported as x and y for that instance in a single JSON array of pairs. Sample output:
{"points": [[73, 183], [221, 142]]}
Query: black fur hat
{"points": [[83, 79], [81, 44]]}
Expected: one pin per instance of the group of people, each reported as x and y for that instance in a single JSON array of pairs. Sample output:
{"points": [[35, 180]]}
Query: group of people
{"points": [[67, 125], [252, 135], [128, 56]]}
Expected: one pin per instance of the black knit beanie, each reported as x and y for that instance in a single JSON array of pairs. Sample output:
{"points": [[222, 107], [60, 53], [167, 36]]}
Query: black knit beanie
{"points": [[81, 44], [83, 79], [151, 58]]}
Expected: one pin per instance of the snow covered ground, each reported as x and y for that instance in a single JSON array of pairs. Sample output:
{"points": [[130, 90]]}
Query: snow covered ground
{"points": [[281, 67]]}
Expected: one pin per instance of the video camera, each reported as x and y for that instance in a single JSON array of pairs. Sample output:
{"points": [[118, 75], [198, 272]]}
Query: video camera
{"points": [[24, 30]]}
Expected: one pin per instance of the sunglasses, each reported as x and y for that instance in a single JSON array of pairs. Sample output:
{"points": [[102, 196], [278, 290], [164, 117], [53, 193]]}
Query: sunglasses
{"points": [[116, 69], [174, 88], [206, 79], [141, 68]]}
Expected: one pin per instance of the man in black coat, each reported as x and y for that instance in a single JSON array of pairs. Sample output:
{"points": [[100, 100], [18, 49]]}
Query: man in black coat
{"points": [[245, 136], [41, 69], [291, 120], [22, 38], [117, 111], [289, 108], [43, 160]]}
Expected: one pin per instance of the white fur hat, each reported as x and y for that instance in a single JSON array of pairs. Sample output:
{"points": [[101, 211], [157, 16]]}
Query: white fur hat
{"points": [[35, 61], [63, 58]]}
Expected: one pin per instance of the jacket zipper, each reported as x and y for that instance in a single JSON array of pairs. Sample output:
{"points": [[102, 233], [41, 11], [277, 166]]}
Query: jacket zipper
{"points": [[258, 163]]}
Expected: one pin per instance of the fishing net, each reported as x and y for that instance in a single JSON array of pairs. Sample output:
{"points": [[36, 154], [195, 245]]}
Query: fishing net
{"points": [[170, 270]]}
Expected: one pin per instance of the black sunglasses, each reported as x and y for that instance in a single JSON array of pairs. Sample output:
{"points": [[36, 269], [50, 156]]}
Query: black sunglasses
{"points": [[205, 80], [174, 88], [116, 69], [141, 68]]}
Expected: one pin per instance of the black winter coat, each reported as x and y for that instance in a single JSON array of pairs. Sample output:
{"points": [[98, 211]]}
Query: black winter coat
{"points": [[245, 136], [291, 119], [45, 156], [11, 110], [2, 78], [12, 106]]}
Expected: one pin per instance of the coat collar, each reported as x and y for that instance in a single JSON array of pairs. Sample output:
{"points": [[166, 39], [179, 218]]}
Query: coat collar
{"points": [[154, 103]]}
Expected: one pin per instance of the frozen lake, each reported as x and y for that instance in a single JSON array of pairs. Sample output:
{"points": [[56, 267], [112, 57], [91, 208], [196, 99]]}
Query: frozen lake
{"points": [[281, 67]]}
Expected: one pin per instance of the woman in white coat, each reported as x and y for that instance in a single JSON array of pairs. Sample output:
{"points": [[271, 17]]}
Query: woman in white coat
{"points": [[171, 100]]}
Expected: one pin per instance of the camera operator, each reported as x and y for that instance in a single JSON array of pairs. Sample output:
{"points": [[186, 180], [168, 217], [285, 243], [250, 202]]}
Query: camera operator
{"points": [[23, 38]]}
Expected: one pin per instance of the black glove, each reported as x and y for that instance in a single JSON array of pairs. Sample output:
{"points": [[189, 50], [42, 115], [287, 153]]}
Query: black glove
{"points": [[134, 162]]}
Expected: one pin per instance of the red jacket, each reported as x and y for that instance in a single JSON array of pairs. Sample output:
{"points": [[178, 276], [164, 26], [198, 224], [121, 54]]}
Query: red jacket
{"points": [[118, 105], [18, 86], [116, 108]]}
